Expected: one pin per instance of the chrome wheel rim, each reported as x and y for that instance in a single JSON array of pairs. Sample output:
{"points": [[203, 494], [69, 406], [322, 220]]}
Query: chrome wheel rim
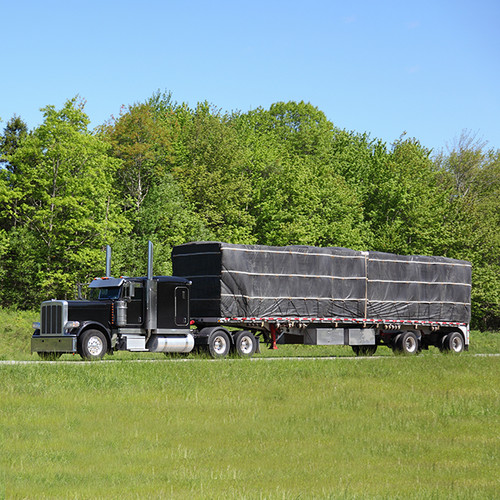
{"points": [[94, 345], [220, 344], [410, 344], [246, 345], [456, 344]]}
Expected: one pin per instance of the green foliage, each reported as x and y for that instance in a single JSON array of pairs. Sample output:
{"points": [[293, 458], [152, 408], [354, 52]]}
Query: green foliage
{"points": [[61, 201], [472, 174], [144, 146], [15, 132], [212, 175], [165, 218], [406, 206], [285, 175], [298, 195], [15, 333]]}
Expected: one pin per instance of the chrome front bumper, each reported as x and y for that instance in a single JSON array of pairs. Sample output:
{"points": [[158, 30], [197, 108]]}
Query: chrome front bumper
{"points": [[66, 343]]}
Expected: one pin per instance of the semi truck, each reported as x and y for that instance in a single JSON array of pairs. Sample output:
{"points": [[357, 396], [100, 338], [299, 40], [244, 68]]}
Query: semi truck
{"points": [[225, 298]]}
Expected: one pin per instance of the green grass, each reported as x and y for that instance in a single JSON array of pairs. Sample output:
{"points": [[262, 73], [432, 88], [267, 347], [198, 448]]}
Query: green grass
{"points": [[389, 427], [393, 427], [16, 331]]}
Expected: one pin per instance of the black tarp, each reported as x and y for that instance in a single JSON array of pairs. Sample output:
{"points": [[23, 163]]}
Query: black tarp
{"points": [[250, 281]]}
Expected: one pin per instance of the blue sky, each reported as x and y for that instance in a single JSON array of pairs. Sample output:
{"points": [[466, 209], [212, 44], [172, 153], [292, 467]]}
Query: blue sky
{"points": [[428, 68]]}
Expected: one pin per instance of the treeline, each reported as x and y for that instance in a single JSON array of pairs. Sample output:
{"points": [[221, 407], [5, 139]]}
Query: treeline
{"points": [[285, 175]]}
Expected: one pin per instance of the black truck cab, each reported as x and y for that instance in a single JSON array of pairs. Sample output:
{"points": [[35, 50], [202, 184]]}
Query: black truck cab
{"points": [[134, 314]]}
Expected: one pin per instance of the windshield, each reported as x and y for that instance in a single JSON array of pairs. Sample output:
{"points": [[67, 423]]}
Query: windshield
{"points": [[105, 293]]}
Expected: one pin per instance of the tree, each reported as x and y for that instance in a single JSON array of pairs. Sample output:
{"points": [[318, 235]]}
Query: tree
{"points": [[166, 219], [403, 202], [66, 207], [212, 174], [145, 148], [472, 175], [299, 195], [14, 133], [308, 204]]}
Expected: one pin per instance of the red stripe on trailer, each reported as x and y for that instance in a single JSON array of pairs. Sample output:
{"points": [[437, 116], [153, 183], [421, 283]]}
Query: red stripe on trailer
{"points": [[344, 320]]}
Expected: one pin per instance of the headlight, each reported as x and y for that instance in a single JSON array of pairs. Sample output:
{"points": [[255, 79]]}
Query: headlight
{"points": [[36, 325], [71, 324]]}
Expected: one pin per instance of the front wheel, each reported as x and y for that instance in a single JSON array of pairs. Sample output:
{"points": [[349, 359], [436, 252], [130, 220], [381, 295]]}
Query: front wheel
{"points": [[92, 344]]}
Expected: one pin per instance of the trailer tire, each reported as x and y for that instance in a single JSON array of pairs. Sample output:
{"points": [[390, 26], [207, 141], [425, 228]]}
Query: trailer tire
{"points": [[92, 344], [219, 344], [453, 342], [406, 343], [364, 350], [245, 344]]}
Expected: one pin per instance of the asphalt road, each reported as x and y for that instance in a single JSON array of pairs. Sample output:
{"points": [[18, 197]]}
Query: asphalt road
{"points": [[79, 361]]}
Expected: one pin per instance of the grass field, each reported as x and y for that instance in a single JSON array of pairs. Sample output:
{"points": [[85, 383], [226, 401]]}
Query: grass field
{"points": [[388, 427]]}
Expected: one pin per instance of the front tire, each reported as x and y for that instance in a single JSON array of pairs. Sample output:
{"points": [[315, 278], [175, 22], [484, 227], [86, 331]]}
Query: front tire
{"points": [[92, 345]]}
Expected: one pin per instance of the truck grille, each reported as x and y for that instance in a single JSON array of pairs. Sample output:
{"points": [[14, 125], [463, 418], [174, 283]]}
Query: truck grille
{"points": [[53, 317]]}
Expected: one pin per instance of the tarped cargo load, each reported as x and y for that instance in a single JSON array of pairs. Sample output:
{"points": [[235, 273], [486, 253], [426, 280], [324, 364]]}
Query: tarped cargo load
{"points": [[409, 287], [253, 281]]}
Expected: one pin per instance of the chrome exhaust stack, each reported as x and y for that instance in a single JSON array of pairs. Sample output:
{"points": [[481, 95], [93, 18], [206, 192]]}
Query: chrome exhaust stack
{"points": [[108, 261], [150, 260], [151, 322]]}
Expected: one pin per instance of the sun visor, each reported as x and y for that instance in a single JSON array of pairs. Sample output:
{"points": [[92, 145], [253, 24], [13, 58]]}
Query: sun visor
{"points": [[106, 282]]}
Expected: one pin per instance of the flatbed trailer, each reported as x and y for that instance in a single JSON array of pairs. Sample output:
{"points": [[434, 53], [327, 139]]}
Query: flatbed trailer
{"points": [[363, 335], [422, 296]]}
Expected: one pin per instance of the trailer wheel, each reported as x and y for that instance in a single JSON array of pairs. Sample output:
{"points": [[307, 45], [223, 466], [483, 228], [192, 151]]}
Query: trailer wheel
{"points": [[406, 343], [453, 342], [219, 344], [364, 350], [92, 344], [245, 344]]}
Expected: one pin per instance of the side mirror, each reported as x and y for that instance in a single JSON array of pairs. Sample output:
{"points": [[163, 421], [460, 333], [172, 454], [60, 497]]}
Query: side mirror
{"points": [[129, 291]]}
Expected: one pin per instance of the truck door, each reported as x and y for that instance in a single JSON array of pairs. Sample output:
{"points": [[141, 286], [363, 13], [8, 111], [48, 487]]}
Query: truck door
{"points": [[181, 306], [135, 308]]}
